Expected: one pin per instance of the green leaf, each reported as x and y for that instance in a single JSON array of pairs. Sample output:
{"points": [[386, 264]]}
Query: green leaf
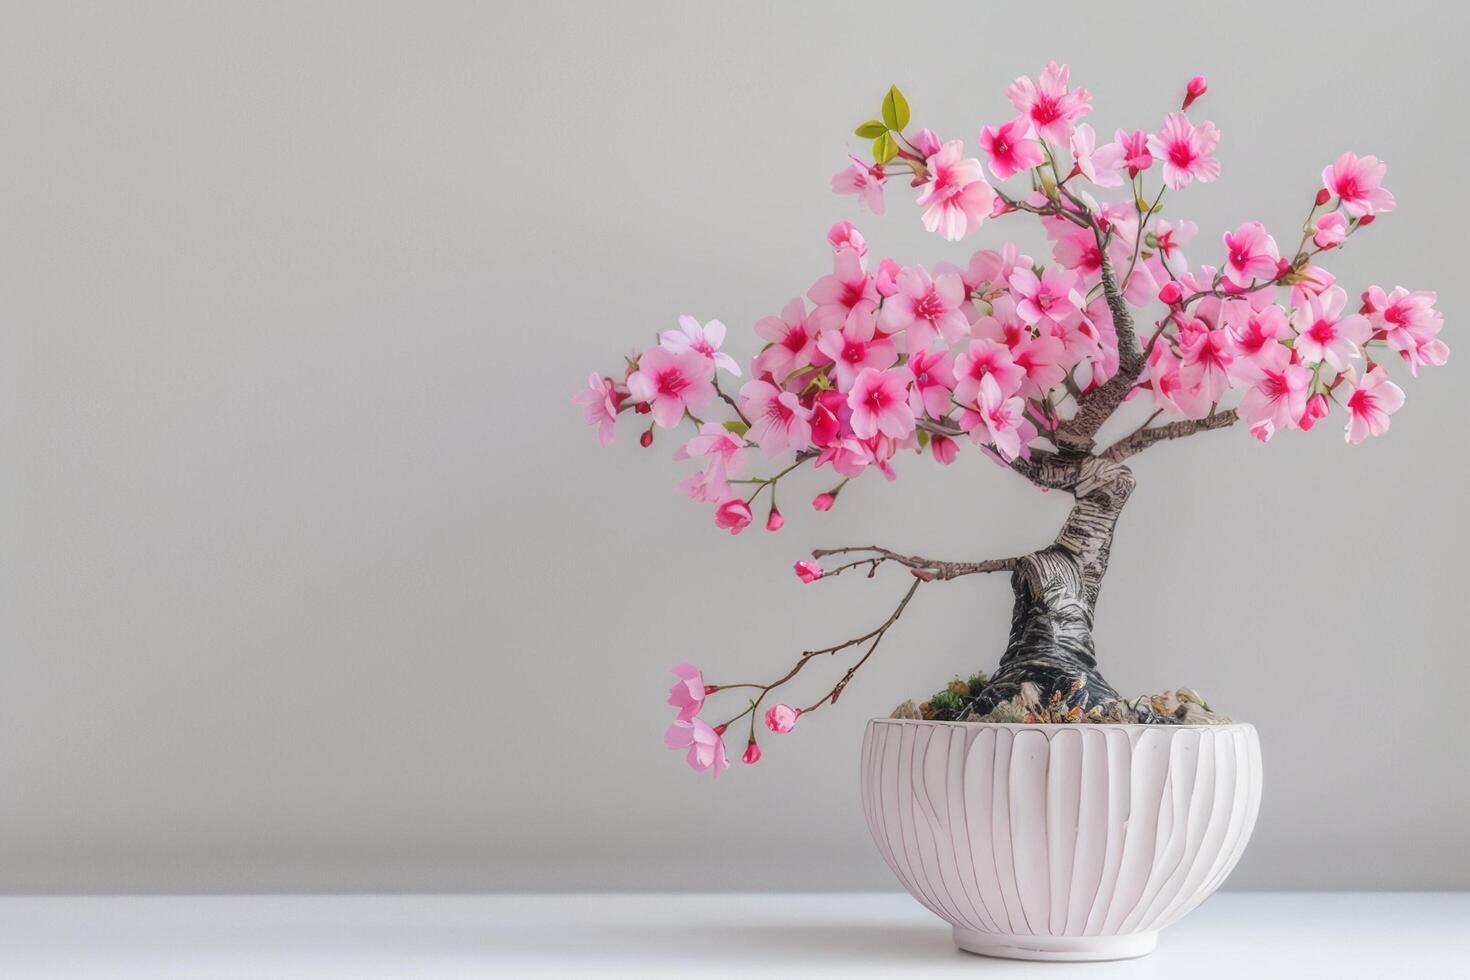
{"points": [[923, 438], [895, 109], [738, 427], [871, 129], [884, 149]]}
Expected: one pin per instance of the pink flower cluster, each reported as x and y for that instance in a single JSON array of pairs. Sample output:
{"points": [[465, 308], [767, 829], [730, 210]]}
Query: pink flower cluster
{"points": [[705, 743]]}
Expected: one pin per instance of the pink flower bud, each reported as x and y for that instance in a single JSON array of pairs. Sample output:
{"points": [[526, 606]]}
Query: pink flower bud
{"points": [[1317, 408], [643, 408], [646, 439], [808, 571], [733, 515], [1283, 267], [845, 235], [1366, 220], [824, 501], [774, 520], [1171, 293], [1323, 196], [1194, 90], [944, 448], [752, 754], [781, 718], [926, 142], [720, 729], [886, 280]]}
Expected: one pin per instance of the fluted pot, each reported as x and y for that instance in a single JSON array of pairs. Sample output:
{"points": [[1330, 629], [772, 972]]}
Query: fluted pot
{"points": [[1060, 842]]}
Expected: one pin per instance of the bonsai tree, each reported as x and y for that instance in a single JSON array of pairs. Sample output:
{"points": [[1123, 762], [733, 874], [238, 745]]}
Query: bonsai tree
{"points": [[1025, 361]]}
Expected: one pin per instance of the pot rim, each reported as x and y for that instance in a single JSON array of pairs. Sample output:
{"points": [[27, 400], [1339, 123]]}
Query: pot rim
{"points": [[1060, 726]]}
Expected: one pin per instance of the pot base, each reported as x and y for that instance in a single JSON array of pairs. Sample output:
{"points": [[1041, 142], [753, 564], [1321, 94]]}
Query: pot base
{"points": [[1056, 948]]}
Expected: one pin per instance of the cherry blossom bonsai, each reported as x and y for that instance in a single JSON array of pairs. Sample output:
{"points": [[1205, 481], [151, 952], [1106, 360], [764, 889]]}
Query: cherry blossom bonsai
{"points": [[1026, 362]]}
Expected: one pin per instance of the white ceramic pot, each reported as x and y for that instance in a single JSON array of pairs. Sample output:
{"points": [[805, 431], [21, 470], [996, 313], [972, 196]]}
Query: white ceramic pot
{"points": [[1060, 842]]}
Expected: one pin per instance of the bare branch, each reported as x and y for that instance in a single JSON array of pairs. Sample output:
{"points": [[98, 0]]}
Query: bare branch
{"points": [[923, 568], [1143, 438]]}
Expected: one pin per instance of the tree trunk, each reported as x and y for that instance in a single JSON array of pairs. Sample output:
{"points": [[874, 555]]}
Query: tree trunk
{"points": [[1056, 596]]}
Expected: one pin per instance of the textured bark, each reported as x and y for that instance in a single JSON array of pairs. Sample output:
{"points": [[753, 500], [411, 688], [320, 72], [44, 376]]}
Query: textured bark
{"points": [[1056, 591]]}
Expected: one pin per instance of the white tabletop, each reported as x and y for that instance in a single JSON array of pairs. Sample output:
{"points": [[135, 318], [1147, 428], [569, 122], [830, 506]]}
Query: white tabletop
{"points": [[1255, 935]]}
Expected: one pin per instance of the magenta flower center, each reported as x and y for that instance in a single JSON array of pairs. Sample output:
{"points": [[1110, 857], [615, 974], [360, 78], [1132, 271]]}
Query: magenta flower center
{"points": [[671, 383], [1322, 332], [1181, 155], [929, 307], [854, 351]]}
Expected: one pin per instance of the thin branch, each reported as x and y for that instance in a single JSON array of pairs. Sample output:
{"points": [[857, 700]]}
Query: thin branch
{"points": [[926, 569], [1141, 439], [877, 637]]}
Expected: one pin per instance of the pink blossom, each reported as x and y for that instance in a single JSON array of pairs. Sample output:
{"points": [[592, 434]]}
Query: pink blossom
{"points": [[1357, 181], [781, 718], [1325, 334], [1041, 359], [1168, 239], [1136, 155], [830, 415], [778, 420], [1185, 149], [844, 234], [792, 341], [1250, 254], [706, 747], [1411, 325], [1206, 363], [1047, 103], [687, 694], [926, 308], [1054, 296], [1370, 403], [669, 383], [1076, 248], [864, 181], [847, 289], [989, 267], [1010, 148], [1171, 394], [926, 142], [1330, 230], [886, 280], [600, 406], [956, 199], [934, 379], [726, 453], [824, 501], [945, 449], [703, 340], [1255, 335], [808, 571], [998, 420], [1101, 165], [880, 403], [1279, 399], [856, 347], [733, 515], [985, 358]]}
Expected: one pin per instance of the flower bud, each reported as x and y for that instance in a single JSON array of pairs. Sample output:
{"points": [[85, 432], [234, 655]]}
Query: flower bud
{"points": [[1323, 196], [824, 501], [808, 571], [781, 718], [1316, 409], [774, 520], [1366, 220], [733, 515], [1171, 293], [720, 729], [646, 439], [752, 754], [944, 449], [1194, 90]]}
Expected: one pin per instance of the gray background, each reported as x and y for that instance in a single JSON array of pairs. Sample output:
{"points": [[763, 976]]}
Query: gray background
{"points": [[313, 578]]}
